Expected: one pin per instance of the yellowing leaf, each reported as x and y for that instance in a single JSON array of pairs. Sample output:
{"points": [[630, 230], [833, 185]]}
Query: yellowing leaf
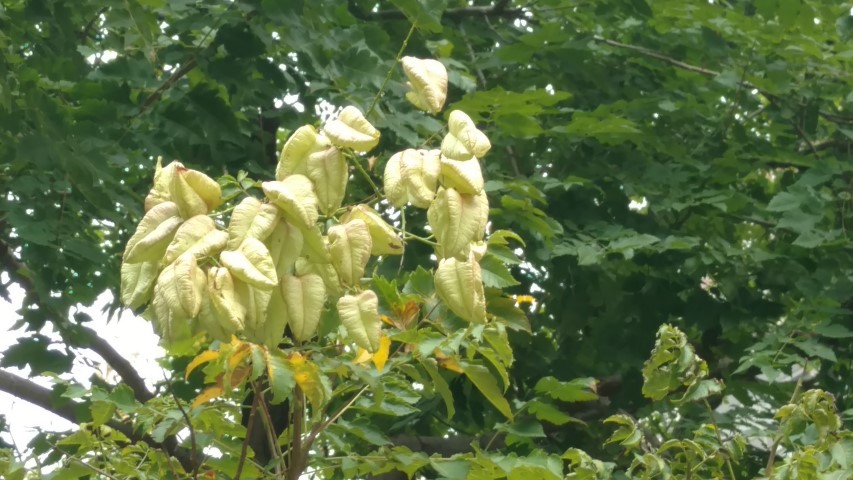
{"points": [[359, 315], [382, 353], [447, 363], [428, 81], [362, 356], [201, 358], [209, 393], [238, 355], [350, 129], [296, 198]]}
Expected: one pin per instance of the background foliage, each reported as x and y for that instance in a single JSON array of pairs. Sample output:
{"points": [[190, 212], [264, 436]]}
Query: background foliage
{"points": [[665, 162]]}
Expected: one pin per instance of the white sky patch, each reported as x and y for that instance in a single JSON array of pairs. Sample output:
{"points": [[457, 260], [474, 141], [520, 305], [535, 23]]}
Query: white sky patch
{"points": [[131, 336]]}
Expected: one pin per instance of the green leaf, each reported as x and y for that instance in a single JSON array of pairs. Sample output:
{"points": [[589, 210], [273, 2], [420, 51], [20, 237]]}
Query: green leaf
{"points": [[439, 384], [547, 412], [452, 469], [102, 412], [425, 14], [834, 331], [482, 378], [577, 390], [495, 273], [280, 378], [420, 282]]}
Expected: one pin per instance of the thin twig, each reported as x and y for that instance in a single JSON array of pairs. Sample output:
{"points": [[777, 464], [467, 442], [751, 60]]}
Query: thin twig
{"points": [[193, 444], [778, 438], [245, 449], [298, 450], [390, 71], [720, 438], [93, 468], [268, 426], [318, 429]]}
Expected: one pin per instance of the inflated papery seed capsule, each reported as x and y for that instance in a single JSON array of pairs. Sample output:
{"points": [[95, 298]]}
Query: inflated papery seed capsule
{"points": [[153, 234], [325, 271], [384, 239], [396, 190], [194, 192], [315, 246], [177, 299], [251, 218], [351, 130], [252, 264], [209, 322], [328, 170], [197, 236], [428, 81], [422, 177], [296, 198], [349, 246], [293, 159], [463, 175], [304, 297], [256, 302], [457, 220], [160, 191], [230, 313], [137, 283], [284, 244], [360, 315], [463, 140], [459, 284]]}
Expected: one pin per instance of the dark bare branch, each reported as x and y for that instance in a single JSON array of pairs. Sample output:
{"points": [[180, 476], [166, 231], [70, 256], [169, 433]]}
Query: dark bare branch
{"points": [[42, 397]]}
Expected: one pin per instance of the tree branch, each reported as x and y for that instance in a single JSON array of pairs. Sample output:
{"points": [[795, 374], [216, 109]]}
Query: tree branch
{"points": [[498, 9], [832, 117], [75, 334], [35, 394]]}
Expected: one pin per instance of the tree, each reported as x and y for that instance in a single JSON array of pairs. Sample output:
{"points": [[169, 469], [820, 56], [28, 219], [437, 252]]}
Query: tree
{"points": [[664, 163]]}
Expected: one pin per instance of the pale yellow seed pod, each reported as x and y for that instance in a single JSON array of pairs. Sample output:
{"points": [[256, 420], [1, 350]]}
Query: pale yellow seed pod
{"points": [[296, 198], [384, 239], [285, 245], [252, 264], [154, 233], [350, 245], [457, 220], [428, 81], [294, 156], [328, 170], [351, 130], [464, 140], [360, 316], [251, 218], [459, 284], [197, 236]]}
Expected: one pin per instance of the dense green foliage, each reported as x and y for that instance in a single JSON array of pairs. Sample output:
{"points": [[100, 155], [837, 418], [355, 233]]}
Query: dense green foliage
{"points": [[665, 162]]}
